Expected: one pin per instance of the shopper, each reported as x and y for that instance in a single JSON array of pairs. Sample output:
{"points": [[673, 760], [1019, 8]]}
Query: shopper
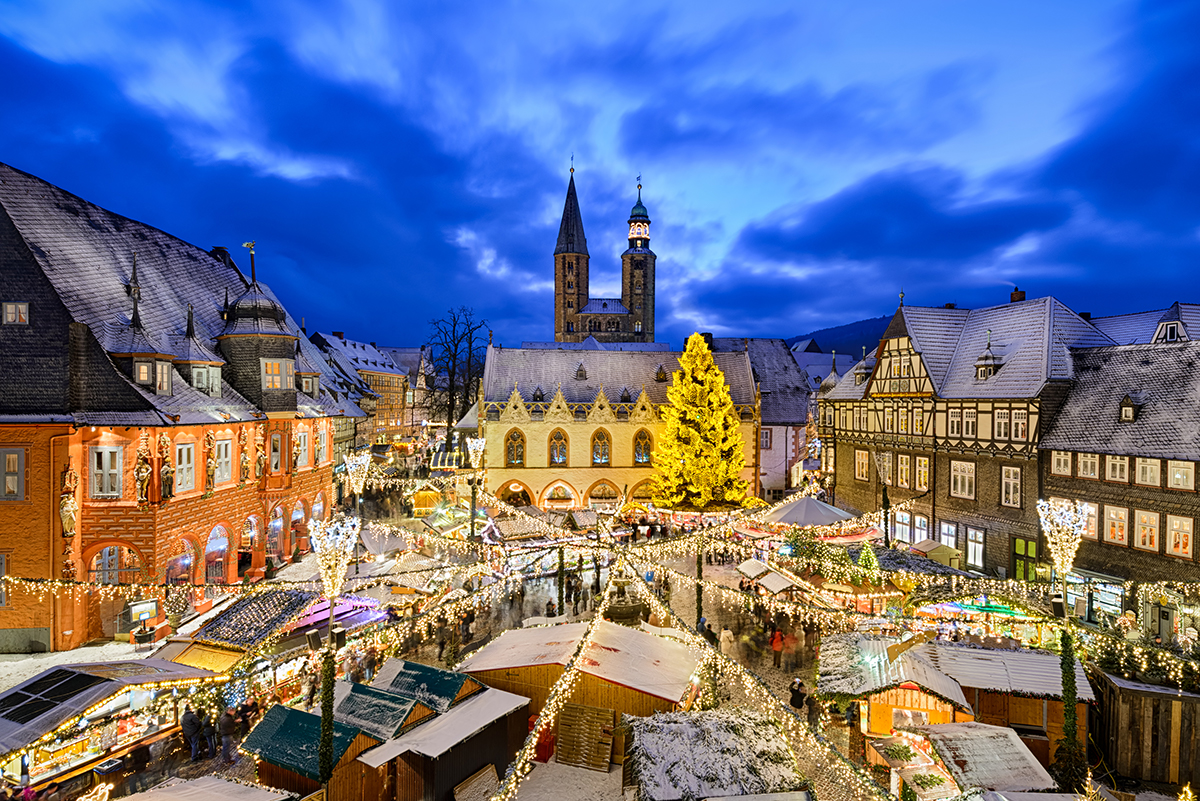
{"points": [[777, 648], [727, 642], [228, 728], [190, 727], [798, 694]]}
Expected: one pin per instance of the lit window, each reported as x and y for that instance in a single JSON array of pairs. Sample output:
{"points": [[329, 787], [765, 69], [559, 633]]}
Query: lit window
{"points": [[601, 448], [1060, 464], [1127, 413], [514, 449], [903, 526], [142, 372], [1179, 536], [12, 462], [918, 422], [889, 420], [962, 479], [1146, 537], [1148, 472], [1091, 514], [905, 417], [643, 448], [1020, 425], [276, 452], [224, 449], [949, 534], [278, 374], [185, 467], [903, 470], [920, 528], [162, 384], [922, 472], [1002, 423], [106, 472], [558, 448], [16, 313], [974, 547], [1010, 486], [862, 465], [1118, 468], [883, 461], [1087, 465], [1181, 475], [955, 423], [1116, 523], [969, 417]]}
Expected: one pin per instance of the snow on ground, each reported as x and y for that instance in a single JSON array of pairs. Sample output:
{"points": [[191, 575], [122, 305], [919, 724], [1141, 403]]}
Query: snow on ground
{"points": [[555, 782], [16, 668]]}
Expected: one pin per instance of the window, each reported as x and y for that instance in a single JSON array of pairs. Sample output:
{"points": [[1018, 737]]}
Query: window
{"points": [[1116, 522], [302, 441], [1147, 531], [200, 377], [969, 416], [12, 462], [955, 423], [322, 444], [1091, 514], [962, 479], [922, 472], [1002, 423], [142, 372], [408, 397], [949, 534], [974, 547], [224, 449], [842, 418], [1020, 425], [884, 462], [514, 449], [106, 472], [277, 374], [307, 384], [558, 448], [601, 448], [185, 467], [862, 465], [1181, 475], [858, 426], [1179, 536], [903, 526], [920, 528], [16, 314], [903, 470], [162, 383], [1147, 472], [276, 452], [1087, 465], [1010, 486], [905, 420], [889, 420], [1060, 464], [764, 439], [1117, 468], [643, 447], [918, 421], [1171, 332], [1127, 413]]}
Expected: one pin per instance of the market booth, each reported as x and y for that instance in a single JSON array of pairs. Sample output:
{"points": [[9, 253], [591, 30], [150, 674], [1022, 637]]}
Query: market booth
{"points": [[67, 721]]}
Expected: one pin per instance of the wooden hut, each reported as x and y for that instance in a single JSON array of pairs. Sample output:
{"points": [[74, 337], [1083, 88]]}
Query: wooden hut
{"points": [[1148, 732]]}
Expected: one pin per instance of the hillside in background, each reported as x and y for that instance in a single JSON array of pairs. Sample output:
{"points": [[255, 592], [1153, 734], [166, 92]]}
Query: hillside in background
{"points": [[848, 339]]}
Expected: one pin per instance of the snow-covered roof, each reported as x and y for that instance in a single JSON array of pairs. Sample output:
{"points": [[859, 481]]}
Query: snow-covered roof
{"points": [[210, 788], [379, 713], [776, 583], [1024, 672], [653, 665], [718, 753], [435, 688], [752, 568], [435, 737], [987, 757], [856, 664]]}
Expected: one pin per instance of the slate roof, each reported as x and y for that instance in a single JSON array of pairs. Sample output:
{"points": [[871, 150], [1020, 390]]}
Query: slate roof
{"points": [[435, 688], [529, 369], [360, 355], [87, 254], [591, 343], [785, 387], [1166, 425], [845, 388], [1139, 328], [409, 360], [570, 231], [290, 738], [604, 306]]}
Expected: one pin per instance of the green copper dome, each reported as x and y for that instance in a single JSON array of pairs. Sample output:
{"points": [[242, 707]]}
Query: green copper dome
{"points": [[639, 211]]}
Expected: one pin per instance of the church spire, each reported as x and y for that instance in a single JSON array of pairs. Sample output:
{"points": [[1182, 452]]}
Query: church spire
{"points": [[570, 233]]}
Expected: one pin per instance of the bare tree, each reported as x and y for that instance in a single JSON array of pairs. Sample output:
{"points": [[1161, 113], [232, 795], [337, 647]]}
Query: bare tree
{"points": [[456, 348]]}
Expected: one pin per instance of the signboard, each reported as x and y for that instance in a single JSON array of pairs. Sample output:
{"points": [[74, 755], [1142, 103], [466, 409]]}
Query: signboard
{"points": [[894, 651], [143, 610]]}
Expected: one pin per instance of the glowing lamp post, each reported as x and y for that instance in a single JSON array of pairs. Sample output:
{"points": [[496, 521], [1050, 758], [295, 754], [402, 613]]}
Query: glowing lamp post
{"points": [[1064, 523], [334, 543], [883, 464], [475, 447]]}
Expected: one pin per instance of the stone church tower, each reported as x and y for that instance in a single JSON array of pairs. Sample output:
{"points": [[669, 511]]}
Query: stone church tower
{"points": [[629, 318]]}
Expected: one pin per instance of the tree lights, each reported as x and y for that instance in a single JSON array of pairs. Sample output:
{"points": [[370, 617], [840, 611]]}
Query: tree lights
{"points": [[1064, 523]]}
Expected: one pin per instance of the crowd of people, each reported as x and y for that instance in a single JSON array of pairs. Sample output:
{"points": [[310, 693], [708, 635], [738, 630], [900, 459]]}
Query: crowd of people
{"points": [[202, 729]]}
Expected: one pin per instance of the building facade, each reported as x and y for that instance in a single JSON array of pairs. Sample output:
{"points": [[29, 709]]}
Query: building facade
{"points": [[577, 315], [386, 381], [569, 429], [163, 421]]}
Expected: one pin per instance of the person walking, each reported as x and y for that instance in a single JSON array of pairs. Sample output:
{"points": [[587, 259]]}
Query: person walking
{"points": [[208, 730], [190, 727], [139, 768], [798, 694], [228, 729], [814, 713], [727, 642], [777, 648], [790, 641]]}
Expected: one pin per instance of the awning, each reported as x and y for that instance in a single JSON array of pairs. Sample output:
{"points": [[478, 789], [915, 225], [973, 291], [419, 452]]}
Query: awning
{"points": [[752, 568], [807, 511]]}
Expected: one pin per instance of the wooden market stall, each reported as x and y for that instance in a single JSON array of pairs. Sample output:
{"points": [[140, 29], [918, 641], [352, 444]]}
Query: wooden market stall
{"points": [[1148, 732]]}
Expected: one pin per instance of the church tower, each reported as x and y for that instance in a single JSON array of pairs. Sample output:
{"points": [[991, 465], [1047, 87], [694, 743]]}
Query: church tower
{"points": [[637, 274], [570, 271]]}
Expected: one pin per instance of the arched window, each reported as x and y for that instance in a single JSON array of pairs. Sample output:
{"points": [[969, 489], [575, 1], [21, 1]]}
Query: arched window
{"points": [[514, 449], [643, 447], [637, 327], [601, 448], [558, 448]]}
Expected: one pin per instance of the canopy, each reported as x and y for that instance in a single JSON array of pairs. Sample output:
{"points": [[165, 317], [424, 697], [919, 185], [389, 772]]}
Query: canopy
{"points": [[807, 511]]}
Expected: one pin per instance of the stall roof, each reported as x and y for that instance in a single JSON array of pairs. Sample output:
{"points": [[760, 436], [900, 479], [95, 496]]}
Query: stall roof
{"points": [[435, 688], [807, 511], [38, 706], [252, 620], [632, 658], [378, 713], [210, 788], [290, 738], [437, 736], [776, 583], [987, 757], [855, 664], [1024, 672], [752, 568]]}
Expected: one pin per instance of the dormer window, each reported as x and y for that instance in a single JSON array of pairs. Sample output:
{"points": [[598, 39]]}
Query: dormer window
{"points": [[143, 373], [1127, 413], [580, 372], [985, 372], [1131, 404], [162, 379], [306, 385], [214, 381], [1170, 333], [625, 398], [538, 397], [661, 375], [278, 374]]}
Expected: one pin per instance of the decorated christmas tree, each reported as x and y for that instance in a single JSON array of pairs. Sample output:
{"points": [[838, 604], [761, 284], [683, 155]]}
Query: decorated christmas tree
{"points": [[699, 458]]}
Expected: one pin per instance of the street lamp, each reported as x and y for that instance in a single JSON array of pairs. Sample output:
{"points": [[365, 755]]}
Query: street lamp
{"points": [[475, 447], [333, 542], [883, 464]]}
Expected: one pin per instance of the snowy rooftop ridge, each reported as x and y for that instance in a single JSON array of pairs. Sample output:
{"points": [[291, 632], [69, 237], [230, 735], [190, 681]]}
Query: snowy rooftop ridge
{"points": [[987, 757]]}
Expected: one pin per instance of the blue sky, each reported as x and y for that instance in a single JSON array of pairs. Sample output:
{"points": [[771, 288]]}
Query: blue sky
{"points": [[802, 161]]}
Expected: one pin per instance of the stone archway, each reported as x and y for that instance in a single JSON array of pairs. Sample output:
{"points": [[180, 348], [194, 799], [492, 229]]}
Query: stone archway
{"points": [[515, 493]]}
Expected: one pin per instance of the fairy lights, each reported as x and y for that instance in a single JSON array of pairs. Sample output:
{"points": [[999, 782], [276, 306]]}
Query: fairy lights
{"points": [[356, 470], [1063, 523]]}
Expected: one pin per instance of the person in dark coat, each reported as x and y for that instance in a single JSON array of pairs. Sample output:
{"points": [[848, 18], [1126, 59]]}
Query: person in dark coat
{"points": [[190, 727], [814, 713], [208, 732], [799, 696], [227, 728]]}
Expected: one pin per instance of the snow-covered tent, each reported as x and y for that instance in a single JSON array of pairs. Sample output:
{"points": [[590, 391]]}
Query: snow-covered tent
{"points": [[209, 788]]}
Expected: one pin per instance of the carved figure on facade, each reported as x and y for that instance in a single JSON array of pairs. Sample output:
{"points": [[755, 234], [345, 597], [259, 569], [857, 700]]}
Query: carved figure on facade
{"points": [[68, 507], [260, 458], [210, 462], [295, 451], [244, 461], [141, 475]]}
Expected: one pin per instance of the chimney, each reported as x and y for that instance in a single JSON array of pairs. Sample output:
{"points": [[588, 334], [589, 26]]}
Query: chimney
{"points": [[303, 330], [1086, 315], [373, 345], [340, 334], [707, 339], [1017, 296], [951, 305]]}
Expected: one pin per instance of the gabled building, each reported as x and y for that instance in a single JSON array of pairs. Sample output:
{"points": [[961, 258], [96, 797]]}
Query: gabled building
{"points": [[420, 385], [570, 429], [387, 382], [948, 412], [162, 419]]}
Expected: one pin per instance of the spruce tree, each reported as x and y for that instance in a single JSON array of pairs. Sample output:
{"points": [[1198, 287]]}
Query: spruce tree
{"points": [[868, 561], [698, 459], [1070, 762]]}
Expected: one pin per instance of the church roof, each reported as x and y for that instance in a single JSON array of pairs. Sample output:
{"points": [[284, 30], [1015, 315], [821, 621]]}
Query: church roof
{"points": [[604, 306], [638, 212], [570, 232], [785, 387]]}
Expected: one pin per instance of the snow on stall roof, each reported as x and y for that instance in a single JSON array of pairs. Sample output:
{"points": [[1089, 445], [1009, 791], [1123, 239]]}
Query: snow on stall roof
{"points": [[857, 664], [632, 658], [437, 736], [431, 686], [752, 568], [715, 753], [1026, 672], [377, 712], [209, 788], [791, 795], [775, 583], [987, 757]]}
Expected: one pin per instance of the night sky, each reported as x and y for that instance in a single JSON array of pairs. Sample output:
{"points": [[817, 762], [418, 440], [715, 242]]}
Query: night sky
{"points": [[802, 161]]}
